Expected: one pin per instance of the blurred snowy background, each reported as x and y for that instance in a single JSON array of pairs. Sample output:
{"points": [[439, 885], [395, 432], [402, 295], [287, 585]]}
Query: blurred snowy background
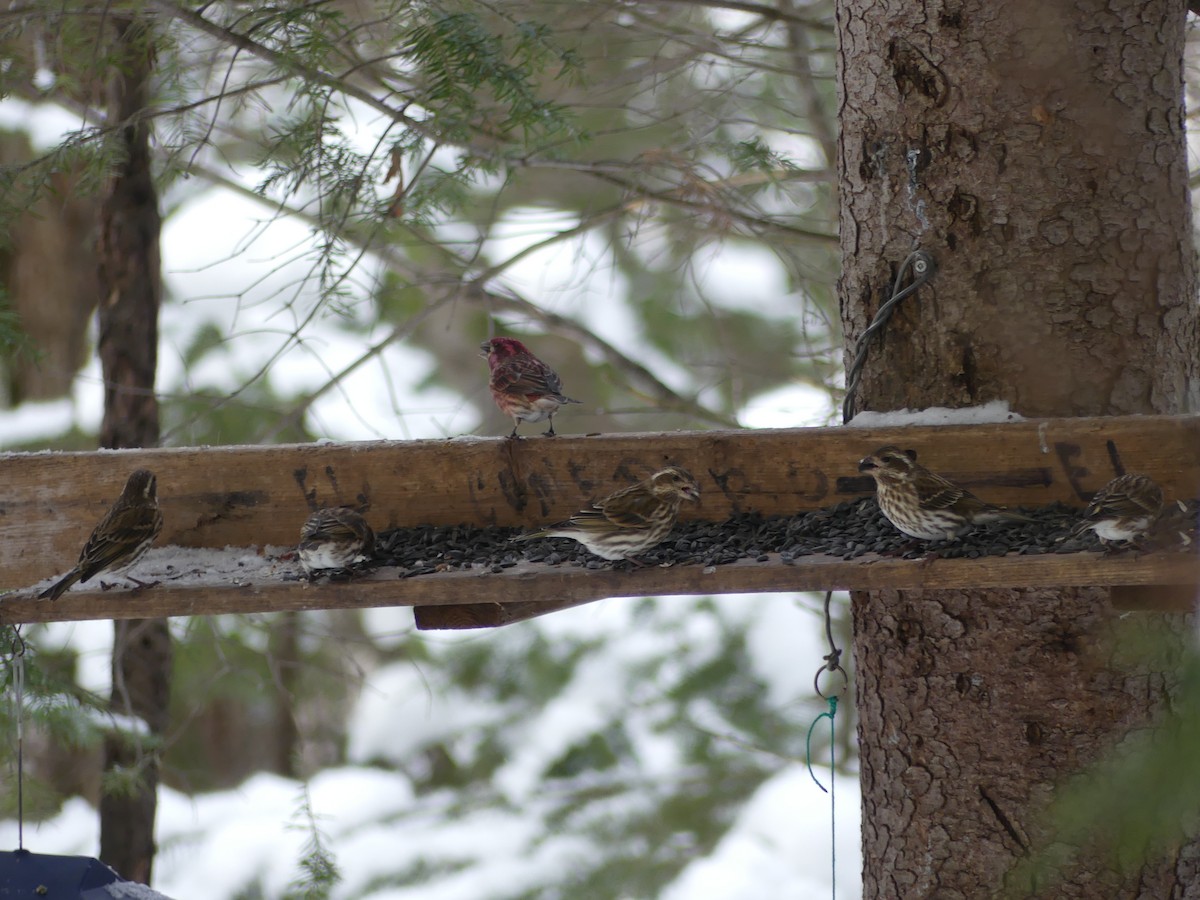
{"points": [[629, 748], [646, 193], [649, 199]]}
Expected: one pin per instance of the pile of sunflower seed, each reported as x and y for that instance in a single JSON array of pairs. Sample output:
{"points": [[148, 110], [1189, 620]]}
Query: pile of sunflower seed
{"points": [[847, 530]]}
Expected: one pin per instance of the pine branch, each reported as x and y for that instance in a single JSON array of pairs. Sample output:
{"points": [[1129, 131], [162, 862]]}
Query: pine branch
{"points": [[813, 108], [473, 290]]}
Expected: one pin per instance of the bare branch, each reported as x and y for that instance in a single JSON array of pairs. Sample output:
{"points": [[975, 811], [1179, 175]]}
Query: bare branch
{"points": [[759, 9]]}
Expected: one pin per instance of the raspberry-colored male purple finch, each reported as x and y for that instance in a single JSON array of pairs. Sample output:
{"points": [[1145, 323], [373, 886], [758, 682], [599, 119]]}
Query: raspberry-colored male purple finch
{"points": [[122, 536], [334, 538], [522, 385], [630, 520], [924, 505], [1122, 510]]}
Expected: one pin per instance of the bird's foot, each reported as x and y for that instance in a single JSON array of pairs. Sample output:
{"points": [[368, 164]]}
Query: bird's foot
{"points": [[929, 557], [1133, 549], [141, 585], [935, 550], [905, 550]]}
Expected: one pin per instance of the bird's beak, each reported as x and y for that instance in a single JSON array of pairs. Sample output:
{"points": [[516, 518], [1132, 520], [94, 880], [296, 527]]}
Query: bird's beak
{"points": [[866, 464], [692, 493], [484, 349]]}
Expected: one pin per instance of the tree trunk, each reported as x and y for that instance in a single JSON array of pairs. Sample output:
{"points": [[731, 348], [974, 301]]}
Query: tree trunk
{"points": [[54, 302], [130, 293], [284, 659], [1037, 151]]}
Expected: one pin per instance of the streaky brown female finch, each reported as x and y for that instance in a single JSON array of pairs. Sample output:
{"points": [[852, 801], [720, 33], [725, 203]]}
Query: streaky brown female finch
{"points": [[1122, 510], [522, 385], [336, 537], [123, 535], [924, 505], [630, 520]]}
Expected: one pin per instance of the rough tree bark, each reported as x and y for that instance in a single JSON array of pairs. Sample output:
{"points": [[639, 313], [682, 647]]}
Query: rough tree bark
{"points": [[1037, 150], [130, 293]]}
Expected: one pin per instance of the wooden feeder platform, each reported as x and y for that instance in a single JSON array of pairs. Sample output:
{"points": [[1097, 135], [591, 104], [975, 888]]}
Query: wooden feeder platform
{"points": [[245, 497]]}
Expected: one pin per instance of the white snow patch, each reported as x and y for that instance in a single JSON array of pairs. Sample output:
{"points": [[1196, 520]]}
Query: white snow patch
{"points": [[403, 709], [37, 421], [988, 413], [786, 644], [603, 689], [790, 406], [388, 626], [779, 845], [45, 123], [356, 797], [218, 844], [44, 79], [75, 831], [747, 277], [390, 844], [92, 643]]}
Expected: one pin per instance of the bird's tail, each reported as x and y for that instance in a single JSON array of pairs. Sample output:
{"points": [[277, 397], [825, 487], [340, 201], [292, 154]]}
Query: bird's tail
{"points": [[59, 587], [1078, 531], [1000, 514], [531, 536]]}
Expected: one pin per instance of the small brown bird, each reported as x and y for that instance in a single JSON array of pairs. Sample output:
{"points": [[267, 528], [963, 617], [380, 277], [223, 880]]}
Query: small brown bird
{"points": [[1122, 510], [522, 385], [924, 505], [123, 535], [630, 520], [334, 538]]}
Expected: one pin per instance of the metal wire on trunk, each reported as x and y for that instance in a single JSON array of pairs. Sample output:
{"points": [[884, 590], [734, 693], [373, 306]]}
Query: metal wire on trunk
{"points": [[923, 268]]}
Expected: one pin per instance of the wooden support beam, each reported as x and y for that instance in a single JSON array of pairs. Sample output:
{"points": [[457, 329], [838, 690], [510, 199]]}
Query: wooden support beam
{"points": [[479, 599], [254, 496], [1180, 598]]}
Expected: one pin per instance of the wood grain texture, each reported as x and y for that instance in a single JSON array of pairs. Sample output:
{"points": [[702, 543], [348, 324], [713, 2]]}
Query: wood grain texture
{"points": [[254, 496], [516, 593], [243, 496]]}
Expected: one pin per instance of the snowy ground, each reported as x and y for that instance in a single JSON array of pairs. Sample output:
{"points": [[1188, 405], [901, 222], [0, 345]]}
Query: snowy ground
{"points": [[213, 847], [234, 844]]}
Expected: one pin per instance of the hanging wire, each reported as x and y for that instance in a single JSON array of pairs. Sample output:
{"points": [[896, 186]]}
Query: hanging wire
{"points": [[18, 668], [833, 659], [923, 268], [832, 664], [830, 790]]}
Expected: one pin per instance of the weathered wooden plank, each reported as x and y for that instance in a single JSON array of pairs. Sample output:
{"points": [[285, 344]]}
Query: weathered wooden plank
{"points": [[253, 496], [241, 496], [488, 615], [1156, 597], [528, 584]]}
